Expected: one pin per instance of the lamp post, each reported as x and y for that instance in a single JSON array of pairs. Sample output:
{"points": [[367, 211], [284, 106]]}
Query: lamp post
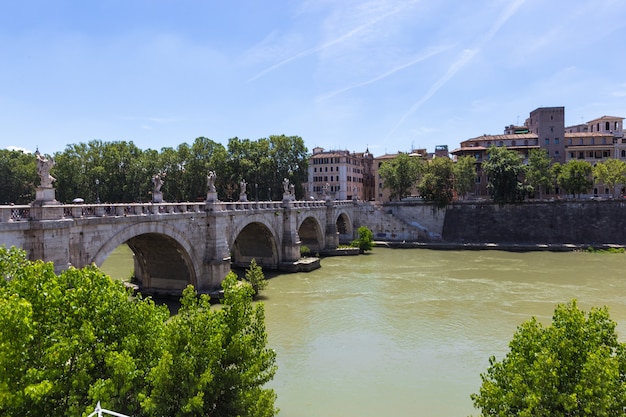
{"points": [[256, 191], [97, 191]]}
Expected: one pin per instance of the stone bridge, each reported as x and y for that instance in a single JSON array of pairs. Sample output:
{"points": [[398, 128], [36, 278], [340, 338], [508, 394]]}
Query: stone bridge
{"points": [[176, 244]]}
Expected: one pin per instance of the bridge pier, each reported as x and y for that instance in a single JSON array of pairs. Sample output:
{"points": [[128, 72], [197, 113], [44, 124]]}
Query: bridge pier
{"points": [[331, 235], [216, 263], [291, 240]]}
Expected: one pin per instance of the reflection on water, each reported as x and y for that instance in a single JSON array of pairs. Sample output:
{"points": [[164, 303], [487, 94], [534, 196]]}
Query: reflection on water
{"points": [[408, 331]]}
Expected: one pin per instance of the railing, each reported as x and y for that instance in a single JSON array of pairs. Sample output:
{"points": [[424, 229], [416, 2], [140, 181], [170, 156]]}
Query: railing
{"points": [[23, 212], [14, 213]]}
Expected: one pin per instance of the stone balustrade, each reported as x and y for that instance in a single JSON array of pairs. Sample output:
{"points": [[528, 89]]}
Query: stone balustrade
{"points": [[15, 213]]}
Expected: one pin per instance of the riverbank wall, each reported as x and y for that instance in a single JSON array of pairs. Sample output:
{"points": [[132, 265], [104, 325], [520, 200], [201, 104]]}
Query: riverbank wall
{"points": [[555, 224], [575, 222]]}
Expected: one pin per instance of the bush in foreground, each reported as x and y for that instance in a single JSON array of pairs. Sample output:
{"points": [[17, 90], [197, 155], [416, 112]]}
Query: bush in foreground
{"points": [[575, 367], [70, 340]]}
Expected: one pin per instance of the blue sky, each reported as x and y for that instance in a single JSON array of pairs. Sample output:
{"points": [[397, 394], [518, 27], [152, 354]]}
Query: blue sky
{"points": [[389, 75]]}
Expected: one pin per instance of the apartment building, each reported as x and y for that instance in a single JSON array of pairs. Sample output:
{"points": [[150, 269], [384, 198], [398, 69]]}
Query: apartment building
{"points": [[594, 141], [342, 174]]}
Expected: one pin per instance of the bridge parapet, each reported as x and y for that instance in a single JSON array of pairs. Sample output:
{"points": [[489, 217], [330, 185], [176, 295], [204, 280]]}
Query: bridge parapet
{"points": [[14, 213], [23, 212]]}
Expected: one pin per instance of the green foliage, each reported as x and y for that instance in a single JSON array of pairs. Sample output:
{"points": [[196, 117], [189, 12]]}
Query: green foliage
{"points": [[18, 171], [70, 340], [255, 277], [538, 173], [611, 173], [305, 251], [437, 182], [401, 174], [365, 242], [504, 169], [591, 249], [575, 176], [575, 367], [216, 361], [464, 175]]}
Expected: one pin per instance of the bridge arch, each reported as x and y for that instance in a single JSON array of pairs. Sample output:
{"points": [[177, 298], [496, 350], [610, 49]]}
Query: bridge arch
{"points": [[255, 240], [164, 257], [344, 227], [311, 234]]}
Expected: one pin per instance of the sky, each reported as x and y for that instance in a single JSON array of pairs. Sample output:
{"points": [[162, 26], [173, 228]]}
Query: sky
{"points": [[382, 75]]}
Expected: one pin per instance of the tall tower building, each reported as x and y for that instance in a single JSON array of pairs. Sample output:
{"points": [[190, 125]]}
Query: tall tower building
{"points": [[548, 123]]}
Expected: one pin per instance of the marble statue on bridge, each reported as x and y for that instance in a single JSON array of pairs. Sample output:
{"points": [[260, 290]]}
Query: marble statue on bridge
{"points": [[157, 183], [44, 165], [210, 181], [242, 190]]}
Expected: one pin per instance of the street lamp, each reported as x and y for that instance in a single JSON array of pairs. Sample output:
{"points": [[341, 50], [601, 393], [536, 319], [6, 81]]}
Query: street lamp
{"points": [[97, 191]]}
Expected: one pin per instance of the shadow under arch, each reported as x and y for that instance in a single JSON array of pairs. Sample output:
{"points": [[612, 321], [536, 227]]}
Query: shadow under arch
{"points": [[163, 257], [344, 228], [311, 234], [255, 241]]}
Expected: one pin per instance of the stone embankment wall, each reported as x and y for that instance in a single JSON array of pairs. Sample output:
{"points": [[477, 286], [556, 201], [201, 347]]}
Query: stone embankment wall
{"points": [[550, 222], [402, 221]]}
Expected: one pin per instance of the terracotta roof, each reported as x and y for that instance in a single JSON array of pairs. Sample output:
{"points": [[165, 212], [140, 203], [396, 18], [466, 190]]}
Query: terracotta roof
{"points": [[503, 137], [605, 118]]}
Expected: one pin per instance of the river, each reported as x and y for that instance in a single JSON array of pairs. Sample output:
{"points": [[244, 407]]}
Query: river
{"points": [[401, 332]]}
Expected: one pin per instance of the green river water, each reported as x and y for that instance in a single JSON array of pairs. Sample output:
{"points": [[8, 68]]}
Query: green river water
{"points": [[407, 332]]}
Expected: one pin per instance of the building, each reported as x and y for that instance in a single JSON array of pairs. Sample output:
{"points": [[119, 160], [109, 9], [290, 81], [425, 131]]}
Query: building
{"points": [[344, 175], [594, 141]]}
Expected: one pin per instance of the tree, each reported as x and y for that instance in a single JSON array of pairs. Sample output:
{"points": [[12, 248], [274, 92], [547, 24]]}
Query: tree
{"points": [[18, 171], [365, 241], [611, 173], [464, 174], [255, 277], [400, 174], [70, 340], [538, 173], [437, 182], [288, 158], [575, 367], [216, 361], [504, 168], [575, 177]]}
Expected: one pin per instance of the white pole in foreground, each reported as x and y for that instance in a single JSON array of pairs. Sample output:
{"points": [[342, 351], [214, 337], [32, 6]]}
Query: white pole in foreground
{"points": [[98, 412]]}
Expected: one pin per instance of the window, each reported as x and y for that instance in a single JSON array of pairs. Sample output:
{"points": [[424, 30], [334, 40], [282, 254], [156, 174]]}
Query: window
{"points": [[571, 155], [623, 153], [607, 126], [556, 141], [547, 141], [556, 154]]}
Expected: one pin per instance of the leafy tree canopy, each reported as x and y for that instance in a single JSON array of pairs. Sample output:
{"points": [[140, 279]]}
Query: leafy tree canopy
{"points": [[504, 169], [401, 174], [464, 174], [437, 182], [575, 176], [68, 341], [538, 173], [574, 367], [611, 173]]}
